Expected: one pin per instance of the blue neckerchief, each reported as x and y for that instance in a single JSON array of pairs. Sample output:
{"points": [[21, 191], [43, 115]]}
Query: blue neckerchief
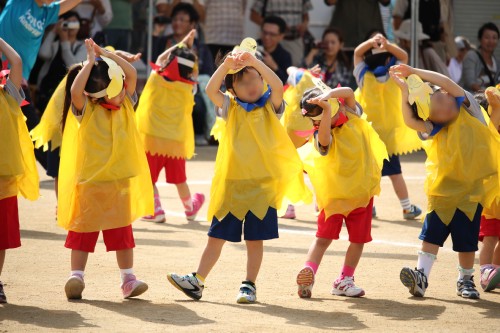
{"points": [[298, 76], [437, 127], [459, 100], [258, 104], [379, 71]]}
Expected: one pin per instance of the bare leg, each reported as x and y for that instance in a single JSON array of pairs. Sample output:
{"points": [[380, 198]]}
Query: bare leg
{"points": [[255, 251], [496, 255], [155, 190], [2, 259], [125, 258], [183, 190], [210, 256], [317, 250], [487, 250], [353, 254], [430, 248], [56, 186], [399, 185], [466, 259], [78, 260]]}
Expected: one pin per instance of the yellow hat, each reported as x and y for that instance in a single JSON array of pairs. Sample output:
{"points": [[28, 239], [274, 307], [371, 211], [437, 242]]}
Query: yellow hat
{"points": [[115, 86], [420, 93], [334, 103], [247, 45]]}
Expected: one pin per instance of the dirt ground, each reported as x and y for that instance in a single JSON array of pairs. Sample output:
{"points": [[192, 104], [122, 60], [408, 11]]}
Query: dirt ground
{"points": [[34, 275]]}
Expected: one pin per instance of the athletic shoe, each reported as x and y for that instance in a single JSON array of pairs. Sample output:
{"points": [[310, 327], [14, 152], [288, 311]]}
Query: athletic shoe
{"points": [[188, 284], [158, 217], [247, 294], [198, 199], [412, 213], [374, 212], [131, 287], [3, 298], [290, 213], [415, 280], [490, 278], [74, 287], [346, 287], [305, 282], [466, 288]]}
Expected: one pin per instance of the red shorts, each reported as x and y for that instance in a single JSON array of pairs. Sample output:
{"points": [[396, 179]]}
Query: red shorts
{"points": [[115, 239], [489, 227], [358, 222], [10, 237], [175, 168]]}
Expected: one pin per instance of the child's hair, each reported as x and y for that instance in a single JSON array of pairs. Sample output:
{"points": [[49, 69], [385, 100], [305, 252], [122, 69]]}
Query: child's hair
{"points": [[480, 97], [230, 79], [183, 52], [98, 80], [312, 110]]}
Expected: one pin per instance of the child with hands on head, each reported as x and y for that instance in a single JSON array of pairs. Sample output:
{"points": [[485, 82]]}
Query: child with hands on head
{"points": [[456, 137], [344, 163], [257, 168], [104, 173]]}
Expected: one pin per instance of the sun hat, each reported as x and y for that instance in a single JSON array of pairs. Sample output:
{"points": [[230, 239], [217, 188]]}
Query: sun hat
{"points": [[404, 31]]}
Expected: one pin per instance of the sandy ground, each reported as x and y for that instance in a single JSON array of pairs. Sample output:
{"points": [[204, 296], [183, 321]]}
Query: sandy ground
{"points": [[34, 275]]}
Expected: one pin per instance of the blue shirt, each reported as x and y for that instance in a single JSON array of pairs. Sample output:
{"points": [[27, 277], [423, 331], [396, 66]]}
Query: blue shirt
{"points": [[22, 24]]}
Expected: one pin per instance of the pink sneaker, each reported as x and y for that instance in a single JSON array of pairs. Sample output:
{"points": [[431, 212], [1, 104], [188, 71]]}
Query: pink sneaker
{"points": [[159, 216], [290, 213], [74, 287], [198, 199], [490, 278], [131, 287]]}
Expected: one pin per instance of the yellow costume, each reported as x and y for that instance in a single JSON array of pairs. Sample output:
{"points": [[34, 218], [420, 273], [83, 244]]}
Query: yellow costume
{"points": [[461, 168], [349, 175], [18, 173], [493, 211], [381, 102], [164, 117], [104, 179], [257, 166]]}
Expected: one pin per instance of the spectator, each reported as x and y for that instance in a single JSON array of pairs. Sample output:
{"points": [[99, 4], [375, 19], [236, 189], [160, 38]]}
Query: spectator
{"points": [[335, 66], [480, 67], [429, 16], [427, 56], [274, 55], [119, 31], [224, 24], [164, 7], [295, 13], [95, 15], [455, 65], [356, 18]]}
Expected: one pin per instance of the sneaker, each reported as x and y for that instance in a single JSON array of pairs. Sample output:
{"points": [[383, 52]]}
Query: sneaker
{"points": [[74, 287], [415, 280], [131, 287], [346, 287], [290, 213], [198, 200], [490, 278], [3, 298], [247, 294], [305, 282], [374, 212], [467, 288], [159, 217], [413, 213], [188, 284]]}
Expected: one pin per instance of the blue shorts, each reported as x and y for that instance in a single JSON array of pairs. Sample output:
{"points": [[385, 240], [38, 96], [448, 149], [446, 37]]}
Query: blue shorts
{"points": [[392, 166], [53, 159], [230, 228], [464, 233]]}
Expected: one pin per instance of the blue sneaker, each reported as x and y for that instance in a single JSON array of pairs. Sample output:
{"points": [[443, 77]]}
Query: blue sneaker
{"points": [[412, 213]]}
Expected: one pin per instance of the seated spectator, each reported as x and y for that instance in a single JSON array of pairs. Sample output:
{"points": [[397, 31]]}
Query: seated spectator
{"points": [[273, 54], [165, 7], [334, 63], [95, 15], [455, 65], [480, 67]]}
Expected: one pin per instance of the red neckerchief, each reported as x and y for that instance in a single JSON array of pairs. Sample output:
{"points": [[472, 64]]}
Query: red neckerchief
{"points": [[3, 78], [171, 72], [110, 107], [341, 120]]}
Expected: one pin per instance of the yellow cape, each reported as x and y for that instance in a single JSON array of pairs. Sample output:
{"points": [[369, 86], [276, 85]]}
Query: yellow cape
{"points": [[257, 166], [461, 168], [18, 173], [49, 128], [349, 175], [381, 102], [164, 117], [493, 211], [104, 179]]}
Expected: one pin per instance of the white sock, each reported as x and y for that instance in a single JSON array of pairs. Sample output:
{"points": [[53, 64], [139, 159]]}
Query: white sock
{"points": [[463, 272], [425, 261], [405, 204], [126, 271], [82, 273]]}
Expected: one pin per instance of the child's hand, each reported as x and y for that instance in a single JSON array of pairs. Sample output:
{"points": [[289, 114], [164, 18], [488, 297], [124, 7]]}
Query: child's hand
{"points": [[129, 57], [321, 101], [89, 45], [245, 59], [493, 98], [189, 39], [231, 62], [402, 69], [316, 70], [399, 79]]}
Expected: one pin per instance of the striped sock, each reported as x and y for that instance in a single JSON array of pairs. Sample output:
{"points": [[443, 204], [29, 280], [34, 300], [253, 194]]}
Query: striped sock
{"points": [[405, 204]]}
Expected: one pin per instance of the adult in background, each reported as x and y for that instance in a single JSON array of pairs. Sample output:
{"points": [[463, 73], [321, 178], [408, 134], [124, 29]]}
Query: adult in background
{"points": [[273, 54], [119, 31], [480, 67], [296, 15], [356, 18], [164, 7], [456, 63], [95, 15]]}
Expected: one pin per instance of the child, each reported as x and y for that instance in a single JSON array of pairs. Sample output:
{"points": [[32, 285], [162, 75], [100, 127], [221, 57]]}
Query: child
{"points": [[461, 172], [379, 98], [345, 169], [257, 167], [165, 122], [18, 174], [104, 173]]}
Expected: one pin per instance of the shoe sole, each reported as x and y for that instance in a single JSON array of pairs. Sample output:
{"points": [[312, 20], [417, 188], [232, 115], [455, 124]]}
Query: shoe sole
{"points": [[155, 220], [336, 292], [186, 292], [305, 279], [493, 284], [408, 281], [139, 290], [473, 296], [243, 300], [191, 218], [74, 288]]}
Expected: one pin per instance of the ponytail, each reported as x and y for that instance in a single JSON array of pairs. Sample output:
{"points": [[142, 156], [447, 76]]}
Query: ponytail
{"points": [[72, 73]]}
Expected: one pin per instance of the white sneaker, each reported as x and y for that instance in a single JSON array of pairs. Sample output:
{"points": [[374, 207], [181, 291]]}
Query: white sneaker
{"points": [[415, 280], [346, 287], [305, 282], [188, 284], [247, 294]]}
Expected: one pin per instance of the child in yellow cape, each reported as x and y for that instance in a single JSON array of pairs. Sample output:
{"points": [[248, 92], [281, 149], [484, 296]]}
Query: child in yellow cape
{"points": [[344, 162], [461, 172], [165, 122], [18, 173], [379, 96], [104, 172], [256, 170]]}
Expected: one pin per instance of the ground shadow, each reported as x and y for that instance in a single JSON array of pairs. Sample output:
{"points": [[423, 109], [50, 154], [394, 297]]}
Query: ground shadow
{"points": [[168, 314], [407, 223], [44, 235], [491, 309], [47, 184], [32, 315]]}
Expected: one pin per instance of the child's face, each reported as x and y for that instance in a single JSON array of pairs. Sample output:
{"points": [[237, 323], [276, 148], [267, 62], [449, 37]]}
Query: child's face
{"points": [[249, 87], [443, 108], [117, 100]]}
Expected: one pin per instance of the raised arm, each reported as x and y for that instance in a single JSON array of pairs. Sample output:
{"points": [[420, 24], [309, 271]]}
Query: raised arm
{"points": [[345, 93], [213, 86], [67, 5], [78, 87], [325, 126], [188, 41], [379, 42], [361, 49], [16, 64]]}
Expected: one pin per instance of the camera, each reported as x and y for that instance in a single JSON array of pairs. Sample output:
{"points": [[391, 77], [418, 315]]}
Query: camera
{"points": [[71, 25], [160, 19]]}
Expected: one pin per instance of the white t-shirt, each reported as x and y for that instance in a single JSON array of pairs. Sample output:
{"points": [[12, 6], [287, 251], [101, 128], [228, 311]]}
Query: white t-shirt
{"points": [[455, 69]]}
